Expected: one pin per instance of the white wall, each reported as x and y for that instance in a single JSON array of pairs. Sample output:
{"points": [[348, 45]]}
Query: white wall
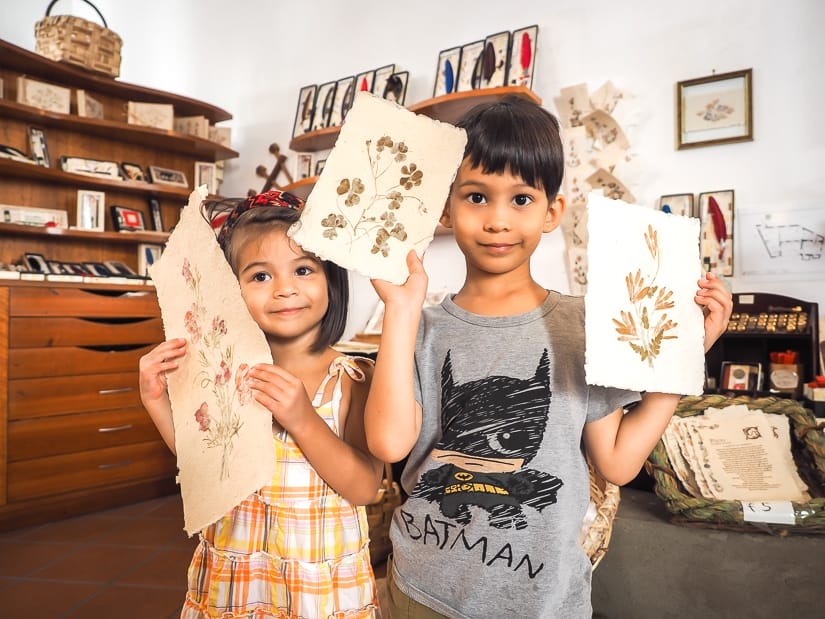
{"points": [[251, 57]]}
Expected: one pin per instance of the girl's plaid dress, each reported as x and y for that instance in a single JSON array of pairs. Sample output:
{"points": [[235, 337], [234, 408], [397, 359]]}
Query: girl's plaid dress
{"points": [[295, 548]]}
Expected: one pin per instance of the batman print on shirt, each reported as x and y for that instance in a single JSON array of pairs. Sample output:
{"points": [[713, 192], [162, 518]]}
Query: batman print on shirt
{"points": [[491, 429]]}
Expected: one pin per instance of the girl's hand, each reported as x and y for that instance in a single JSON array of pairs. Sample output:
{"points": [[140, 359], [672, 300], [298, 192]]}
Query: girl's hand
{"points": [[164, 357], [412, 292], [717, 304], [281, 393]]}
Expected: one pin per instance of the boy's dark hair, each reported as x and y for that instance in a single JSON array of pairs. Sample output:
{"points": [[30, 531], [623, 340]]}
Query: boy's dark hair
{"points": [[261, 219], [517, 136]]}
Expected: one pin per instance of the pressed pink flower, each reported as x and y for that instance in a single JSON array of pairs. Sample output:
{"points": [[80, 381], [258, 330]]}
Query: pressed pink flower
{"points": [[186, 271], [224, 373], [243, 384], [202, 417], [218, 326], [190, 321]]}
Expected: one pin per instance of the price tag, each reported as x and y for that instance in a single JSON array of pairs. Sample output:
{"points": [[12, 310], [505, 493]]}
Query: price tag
{"points": [[772, 512]]}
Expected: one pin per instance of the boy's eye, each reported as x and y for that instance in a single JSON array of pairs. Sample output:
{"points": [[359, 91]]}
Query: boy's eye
{"points": [[522, 200], [476, 198]]}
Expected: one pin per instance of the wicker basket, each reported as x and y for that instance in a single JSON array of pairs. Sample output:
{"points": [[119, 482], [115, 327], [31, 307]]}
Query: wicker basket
{"points": [[604, 498], [379, 516], [808, 445], [77, 41]]}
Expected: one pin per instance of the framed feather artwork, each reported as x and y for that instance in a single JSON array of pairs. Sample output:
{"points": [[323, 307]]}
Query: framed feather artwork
{"points": [[379, 81], [395, 89], [493, 69], [447, 71], [716, 215], [344, 91], [522, 58], [677, 204], [365, 81], [305, 110], [469, 66], [324, 101]]}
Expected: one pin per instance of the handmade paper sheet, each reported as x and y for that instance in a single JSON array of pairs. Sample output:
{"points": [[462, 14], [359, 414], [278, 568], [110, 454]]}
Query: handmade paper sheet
{"points": [[223, 437], [643, 329], [383, 189]]}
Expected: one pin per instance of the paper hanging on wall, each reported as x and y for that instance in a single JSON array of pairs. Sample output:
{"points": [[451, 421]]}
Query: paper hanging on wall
{"points": [[223, 437], [382, 190], [643, 330]]}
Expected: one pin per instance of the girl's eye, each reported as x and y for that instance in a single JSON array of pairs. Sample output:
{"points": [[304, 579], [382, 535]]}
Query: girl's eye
{"points": [[304, 270], [260, 276], [522, 200], [476, 198]]}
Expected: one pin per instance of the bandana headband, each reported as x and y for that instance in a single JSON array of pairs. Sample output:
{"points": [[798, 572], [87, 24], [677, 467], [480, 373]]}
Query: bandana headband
{"points": [[274, 197]]}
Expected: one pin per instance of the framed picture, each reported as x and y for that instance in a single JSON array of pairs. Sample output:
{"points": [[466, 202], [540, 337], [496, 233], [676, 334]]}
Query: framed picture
{"points": [[119, 268], [714, 110], [39, 149], [677, 204], [469, 65], [127, 219], [132, 171], [148, 254], [97, 269], [91, 210], [446, 73], [37, 263], [395, 89], [737, 376], [33, 216], [379, 82], [206, 174], [306, 107], [324, 101], [319, 166], [716, 236], [155, 115], [9, 152], [156, 213], [494, 60], [88, 106], [303, 166], [342, 102], [522, 58], [90, 167], [44, 96], [167, 176], [365, 81]]}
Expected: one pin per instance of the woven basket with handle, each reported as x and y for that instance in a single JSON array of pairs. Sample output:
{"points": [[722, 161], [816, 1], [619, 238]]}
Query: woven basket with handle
{"points": [[78, 41]]}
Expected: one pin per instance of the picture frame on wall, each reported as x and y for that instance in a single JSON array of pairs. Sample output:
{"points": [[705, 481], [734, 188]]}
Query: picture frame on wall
{"points": [[304, 111], [446, 72], [167, 176], [344, 93], [468, 65], [206, 174], [521, 60], [395, 89], [716, 231], [494, 60], [717, 109], [91, 211], [379, 81], [677, 204], [127, 219], [324, 101], [365, 81], [156, 214], [39, 148]]}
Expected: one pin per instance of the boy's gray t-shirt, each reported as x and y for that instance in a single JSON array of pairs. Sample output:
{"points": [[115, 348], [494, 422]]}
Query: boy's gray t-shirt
{"points": [[498, 482]]}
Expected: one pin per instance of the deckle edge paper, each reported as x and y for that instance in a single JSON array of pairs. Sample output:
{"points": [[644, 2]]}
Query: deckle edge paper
{"points": [[223, 437]]}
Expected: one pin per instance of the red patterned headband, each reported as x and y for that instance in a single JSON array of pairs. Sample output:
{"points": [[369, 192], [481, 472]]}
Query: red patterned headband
{"points": [[268, 198]]}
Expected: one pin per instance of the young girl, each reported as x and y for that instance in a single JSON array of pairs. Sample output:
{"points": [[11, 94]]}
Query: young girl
{"points": [[299, 546], [488, 397]]}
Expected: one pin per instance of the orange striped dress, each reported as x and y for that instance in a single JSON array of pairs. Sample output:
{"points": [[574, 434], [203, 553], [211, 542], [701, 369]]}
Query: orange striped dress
{"points": [[294, 549]]}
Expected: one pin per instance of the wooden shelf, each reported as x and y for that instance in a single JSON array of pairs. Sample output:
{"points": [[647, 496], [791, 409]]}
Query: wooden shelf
{"points": [[313, 141], [133, 238], [18, 59]]}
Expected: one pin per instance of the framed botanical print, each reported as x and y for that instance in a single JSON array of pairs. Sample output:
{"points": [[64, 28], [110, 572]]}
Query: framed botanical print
{"points": [[306, 107], [716, 235], [717, 109], [342, 101], [446, 72], [494, 60], [324, 101], [522, 58], [469, 70], [677, 204]]}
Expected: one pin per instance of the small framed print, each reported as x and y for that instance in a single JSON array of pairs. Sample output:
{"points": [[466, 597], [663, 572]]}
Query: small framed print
{"points": [[446, 72], [90, 167], [324, 101], [303, 166], [469, 70], [494, 60], [156, 214], [677, 204], [40, 151], [206, 174], [88, 106], [119, 268], [344, 92], [98, 269], [736, 376], [148, 254], [395, 89], [379, 81], [127, 219], [365, 81], [716, 231], [167, 176], [37, 263], [319, 166], [522, 58], [714, 110], [132, 171], [304, 112], [91, 210]]}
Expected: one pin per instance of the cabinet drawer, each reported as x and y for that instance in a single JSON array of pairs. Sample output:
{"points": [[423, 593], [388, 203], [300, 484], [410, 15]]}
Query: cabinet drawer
{"points": [[26, 332], [73, 360], [29, 479], [39, 397], [42, 301], [62, 434]]}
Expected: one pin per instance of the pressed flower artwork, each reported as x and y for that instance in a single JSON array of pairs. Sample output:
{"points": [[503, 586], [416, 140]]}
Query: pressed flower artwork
{"points": [[223, 437], [382, 189], [643, 329]]}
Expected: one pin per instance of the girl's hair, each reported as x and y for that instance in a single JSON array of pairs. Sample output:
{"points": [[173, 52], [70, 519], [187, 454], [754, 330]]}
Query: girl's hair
{"points": [[255, 220], [517, 136]]}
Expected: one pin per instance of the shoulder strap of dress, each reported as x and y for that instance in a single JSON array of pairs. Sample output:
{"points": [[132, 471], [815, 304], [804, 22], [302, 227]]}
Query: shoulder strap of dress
{"points": [[343, 363]]}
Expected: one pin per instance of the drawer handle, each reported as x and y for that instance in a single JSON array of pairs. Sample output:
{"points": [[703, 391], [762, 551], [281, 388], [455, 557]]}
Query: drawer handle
{"points": [[125, 426], [114, 391], [114, 465]]}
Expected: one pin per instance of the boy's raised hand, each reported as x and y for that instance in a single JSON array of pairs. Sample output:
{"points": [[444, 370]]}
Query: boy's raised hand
{"points": [[717, 304]]}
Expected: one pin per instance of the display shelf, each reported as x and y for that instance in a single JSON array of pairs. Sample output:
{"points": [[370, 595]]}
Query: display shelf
{"points": [[146, 236], [313, 141]]}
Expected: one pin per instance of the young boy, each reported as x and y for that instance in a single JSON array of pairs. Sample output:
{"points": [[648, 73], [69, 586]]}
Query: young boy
{"points": [[486, 395]]}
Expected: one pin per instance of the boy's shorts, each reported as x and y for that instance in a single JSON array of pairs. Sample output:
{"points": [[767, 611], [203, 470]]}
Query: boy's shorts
{"points": [[403, 607]]}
